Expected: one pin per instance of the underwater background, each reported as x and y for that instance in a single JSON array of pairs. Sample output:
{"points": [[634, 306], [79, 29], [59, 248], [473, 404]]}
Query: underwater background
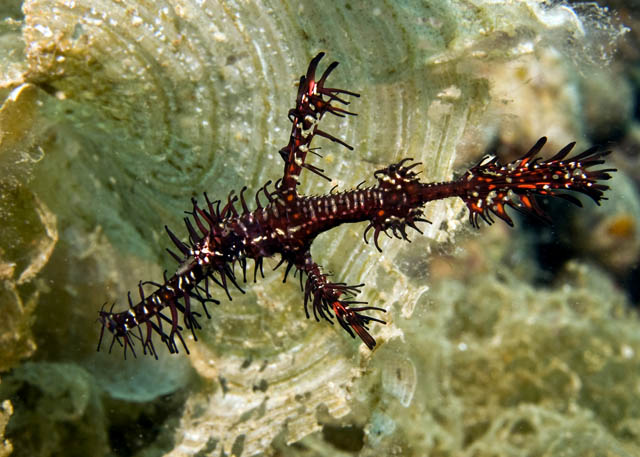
{"points": [[499, 341]]}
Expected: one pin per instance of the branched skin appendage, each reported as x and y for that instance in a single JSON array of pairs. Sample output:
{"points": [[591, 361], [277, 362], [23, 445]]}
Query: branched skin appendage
{"points": [[222, 236]]}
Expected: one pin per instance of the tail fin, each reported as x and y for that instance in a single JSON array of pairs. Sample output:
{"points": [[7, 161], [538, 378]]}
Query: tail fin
{"points": [[489, 186]]}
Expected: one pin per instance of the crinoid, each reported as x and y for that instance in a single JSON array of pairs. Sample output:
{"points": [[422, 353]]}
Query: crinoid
{"points": [[221, 237]]}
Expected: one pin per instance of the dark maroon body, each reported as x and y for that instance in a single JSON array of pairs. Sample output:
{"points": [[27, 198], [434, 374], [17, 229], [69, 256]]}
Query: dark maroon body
{"points": [[288, 223]]}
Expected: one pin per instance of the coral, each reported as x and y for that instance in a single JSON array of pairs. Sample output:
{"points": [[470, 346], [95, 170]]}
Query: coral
{"points": [[611, 234], [537, 365], [492, 366]]}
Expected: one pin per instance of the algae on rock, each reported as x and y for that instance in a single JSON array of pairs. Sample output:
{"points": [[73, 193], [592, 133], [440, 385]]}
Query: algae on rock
{"points": [[60, 410], [5, 414], [29, 233]]}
